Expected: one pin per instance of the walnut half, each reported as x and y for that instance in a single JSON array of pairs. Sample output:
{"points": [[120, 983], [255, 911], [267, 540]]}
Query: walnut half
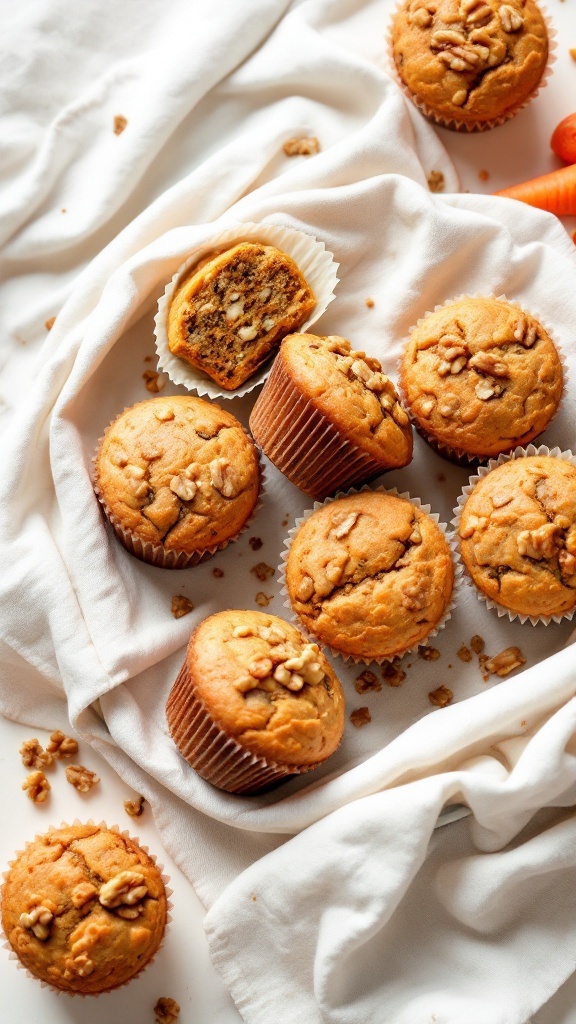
{"points": [[81, 778]]}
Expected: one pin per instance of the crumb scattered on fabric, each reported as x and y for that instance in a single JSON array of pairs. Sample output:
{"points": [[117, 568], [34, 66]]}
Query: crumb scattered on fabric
{"points": [[477, 644], [360, 717], [440, 697], [440, 477], [262, 571], [255, 543], [304, 146], [262, 600], [449, 666], [154, 381], [148, 359], [50, 323], [134, 807], [120, 123], [393, 674], [180, 606], [572, 53], [63, 210], [522, 724], [218, 573], [574, 238], [464, 653], [436, 181], [483, 175], [370, 303], [167, 1010], [285, 521], [429, 653], [366, 682]]}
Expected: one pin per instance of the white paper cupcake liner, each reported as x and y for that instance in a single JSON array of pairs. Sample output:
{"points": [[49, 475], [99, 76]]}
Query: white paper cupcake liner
{"points": [[450, 539], [315, 263], [12, 955], [519, 453], [455, 455], [475, 126]]}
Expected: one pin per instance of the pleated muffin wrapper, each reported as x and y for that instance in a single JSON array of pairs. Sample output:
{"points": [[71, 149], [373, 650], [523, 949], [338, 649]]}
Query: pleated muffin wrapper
{"points": [[475, 126], [519, 453], [456, 563], [315, 263], [156, 554], [214, 755], [303, 443], [462, 458], [12, 955]]}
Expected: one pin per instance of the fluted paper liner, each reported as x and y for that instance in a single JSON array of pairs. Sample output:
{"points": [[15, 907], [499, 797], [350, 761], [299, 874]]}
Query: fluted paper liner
{"points": [[156, 554], [303, 444], [476, 126], [462, 458], [433, 631], [315, 262], [213, 754], [519, 453], [12, 955]]}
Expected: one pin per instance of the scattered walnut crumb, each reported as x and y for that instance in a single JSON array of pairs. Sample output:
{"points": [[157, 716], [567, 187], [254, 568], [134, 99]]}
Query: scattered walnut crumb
{"points": [[81, 778], [370, 303], [429, 653], [483, 175], [148, 359], [482, 659], [120, 123], [262, 571], [167, 1010], [154, 381], [572, 53], [34, 756], [262, 600], [304, 146], [393, 674], [464, 653], [284, 522], [360, 717], [218, 573], [180, 606], [436, 181], [477, 644], [134, 807], [367, 681], [38, 787], [61, 745], [440, 697], [63, 210], [505, 662], [255, 543]]}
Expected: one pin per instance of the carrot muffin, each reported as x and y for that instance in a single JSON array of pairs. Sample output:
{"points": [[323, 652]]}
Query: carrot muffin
{"points": [[328, 417], [480, 377], [469, 63], [254, 702], [178, 478], [232, 310], [371, 575], [518, 535], [84, 908]]}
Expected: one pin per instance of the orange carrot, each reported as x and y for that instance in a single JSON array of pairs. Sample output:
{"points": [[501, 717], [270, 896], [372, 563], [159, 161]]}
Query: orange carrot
{"points": [[555, 192]]}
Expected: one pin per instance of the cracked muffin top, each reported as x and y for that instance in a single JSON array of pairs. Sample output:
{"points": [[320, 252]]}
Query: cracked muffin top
{"points": [[349, 389], [518, 535], [84, 908], [266, 687], [233, 308], [481, 377], [371, 575], [178, 471], [471, 61]]}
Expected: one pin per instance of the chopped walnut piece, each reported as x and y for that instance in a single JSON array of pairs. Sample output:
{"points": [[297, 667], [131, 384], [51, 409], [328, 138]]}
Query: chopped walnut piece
{"points": [[80, 965], [305, 589], [38, 921], [484, 390], [367, 681], [134, 807], [360, 717], [125, 889], [61, 745], [81, 778], [38, 787], [487, 362], [440, 697], [429, 653], [34, 755], [262, 600], [82, 894], [218, 573], [223, 477], [167, 1010], [510, 19], [164, 415], [393, 674], [120, 123], [154, 381], [181, 605], [255, 543], [413, 595], [342, 523], [304, 146], [436, 181], [464, 653], [183, 484], [50, 323], [524, 333], [477, 644], [567, 563], [540, 543], [505, 662], [262, 571]]}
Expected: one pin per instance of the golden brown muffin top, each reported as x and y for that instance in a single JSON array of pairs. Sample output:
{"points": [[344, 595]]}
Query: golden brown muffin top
{"points": [[349, 389], [267, 687], [518, 535], [370, 574], [179, 472], [234, 307], [84, 908], [481, 377], [471, 60]]}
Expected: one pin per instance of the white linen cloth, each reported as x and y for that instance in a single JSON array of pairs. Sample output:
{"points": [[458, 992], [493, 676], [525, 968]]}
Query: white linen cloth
{"points": [[331, 899]]}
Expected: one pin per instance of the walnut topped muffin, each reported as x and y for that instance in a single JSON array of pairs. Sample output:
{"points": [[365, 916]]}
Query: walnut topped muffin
{"points": [[518, 535], [84, 908], [371, 574], [231, 310], [481, 377], [328, 417], [470, 63]]}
